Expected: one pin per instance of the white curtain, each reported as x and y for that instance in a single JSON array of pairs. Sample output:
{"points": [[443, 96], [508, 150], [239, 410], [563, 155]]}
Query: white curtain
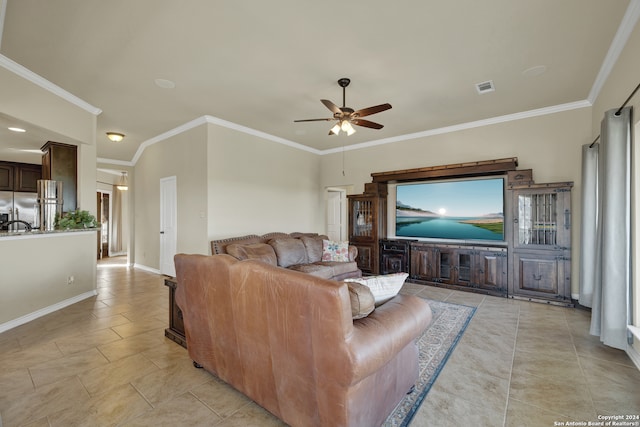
{"points": [[116, 221], [605, 258]]}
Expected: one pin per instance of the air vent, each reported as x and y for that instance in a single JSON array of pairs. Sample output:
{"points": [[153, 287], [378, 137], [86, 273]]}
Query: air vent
{"points": [[485, 87]]}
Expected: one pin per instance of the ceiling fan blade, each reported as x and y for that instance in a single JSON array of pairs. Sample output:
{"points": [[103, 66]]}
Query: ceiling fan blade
{"points": [[314, 120], [367, 124], [331, 106], [372, 110]]}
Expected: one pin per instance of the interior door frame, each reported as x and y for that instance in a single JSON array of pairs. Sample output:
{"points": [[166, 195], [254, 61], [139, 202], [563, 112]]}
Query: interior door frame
{"points": [[343, 209], [100, 193], [168, 268]]}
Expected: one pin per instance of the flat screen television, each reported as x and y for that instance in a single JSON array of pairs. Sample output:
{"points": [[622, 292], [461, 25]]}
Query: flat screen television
{"points": [[463, 209]]}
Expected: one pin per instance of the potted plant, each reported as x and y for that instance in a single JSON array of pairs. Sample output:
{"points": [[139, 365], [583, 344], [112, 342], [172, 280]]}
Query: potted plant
{"points": [[76, 219]]}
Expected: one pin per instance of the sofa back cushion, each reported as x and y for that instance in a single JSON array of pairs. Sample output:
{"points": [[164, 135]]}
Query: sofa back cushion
{"points": [[314, 247], [289, 251], [258, 251]]}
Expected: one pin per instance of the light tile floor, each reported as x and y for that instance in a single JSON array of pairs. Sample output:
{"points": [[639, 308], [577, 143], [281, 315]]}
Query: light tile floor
{"points": [[105, 361]]}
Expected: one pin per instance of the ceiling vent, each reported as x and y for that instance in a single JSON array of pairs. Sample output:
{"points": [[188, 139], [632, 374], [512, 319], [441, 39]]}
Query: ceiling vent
{"points": [[485, 87]]}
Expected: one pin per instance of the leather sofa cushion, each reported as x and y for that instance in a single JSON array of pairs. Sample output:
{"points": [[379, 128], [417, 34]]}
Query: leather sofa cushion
{"points": [[289, 251], [258, 251], [362, 300], [314, 247], [318, 270], [338, 267]]}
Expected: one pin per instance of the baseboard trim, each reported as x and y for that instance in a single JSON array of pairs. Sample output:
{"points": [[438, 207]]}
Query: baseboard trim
{"points": [[145, 268], [633, 355], [46, 310]]}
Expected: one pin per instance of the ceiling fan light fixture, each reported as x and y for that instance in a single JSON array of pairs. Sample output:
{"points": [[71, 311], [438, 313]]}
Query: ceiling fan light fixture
{"points": [[336, 129], [115, 136], [348, 128]]}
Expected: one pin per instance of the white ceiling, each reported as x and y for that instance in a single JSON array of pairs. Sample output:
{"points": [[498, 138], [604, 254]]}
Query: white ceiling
{"points": [[264, 64]]}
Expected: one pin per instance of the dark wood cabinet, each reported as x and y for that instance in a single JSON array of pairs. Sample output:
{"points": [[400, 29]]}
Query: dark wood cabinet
{"points": [[26, 178], [6, 176], [60, 163], [22, 177], [540, 260], [394, 256], [477, 268], [367, 224]]}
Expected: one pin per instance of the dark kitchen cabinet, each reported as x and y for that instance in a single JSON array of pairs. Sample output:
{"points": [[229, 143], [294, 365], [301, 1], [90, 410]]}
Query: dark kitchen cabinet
{"points": [[22, 177], [60, 163]]}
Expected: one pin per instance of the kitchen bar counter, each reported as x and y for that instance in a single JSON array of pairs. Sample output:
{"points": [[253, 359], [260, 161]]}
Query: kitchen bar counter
{"points": [[37, 233], [41, 272]]}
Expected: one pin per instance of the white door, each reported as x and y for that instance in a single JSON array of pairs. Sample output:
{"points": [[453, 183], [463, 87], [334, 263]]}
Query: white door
{"points": [[336, 225], [168, 225]]}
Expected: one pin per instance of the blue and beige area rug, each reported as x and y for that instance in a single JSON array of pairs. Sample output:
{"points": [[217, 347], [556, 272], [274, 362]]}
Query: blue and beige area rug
{"points": [[436, 345]]}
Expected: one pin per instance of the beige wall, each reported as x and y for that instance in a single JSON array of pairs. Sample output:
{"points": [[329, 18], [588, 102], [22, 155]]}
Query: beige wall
{"points": [[183, 156], [35, 270], [257, 186], [550, 145]]}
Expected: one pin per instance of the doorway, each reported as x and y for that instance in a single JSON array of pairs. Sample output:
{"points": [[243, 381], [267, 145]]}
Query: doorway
{"points": [[168, 225], [103, 210], [336, 213]]}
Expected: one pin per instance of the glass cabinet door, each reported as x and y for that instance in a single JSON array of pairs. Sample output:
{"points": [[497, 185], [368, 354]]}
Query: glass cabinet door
{"points": [[537, 219], [542, 218], [362, 218]]}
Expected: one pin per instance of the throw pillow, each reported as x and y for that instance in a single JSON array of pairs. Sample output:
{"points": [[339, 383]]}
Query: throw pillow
{"points": [[362, 301], [259, 251], [335, 251], [384, 287]]}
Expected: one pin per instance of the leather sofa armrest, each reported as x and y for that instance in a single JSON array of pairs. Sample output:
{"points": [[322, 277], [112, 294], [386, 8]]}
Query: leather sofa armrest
{"points": [[353, 253], [377, 338]]}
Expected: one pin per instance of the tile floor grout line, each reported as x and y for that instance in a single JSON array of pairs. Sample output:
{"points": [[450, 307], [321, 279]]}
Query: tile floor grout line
{"points": [[513, 359]]}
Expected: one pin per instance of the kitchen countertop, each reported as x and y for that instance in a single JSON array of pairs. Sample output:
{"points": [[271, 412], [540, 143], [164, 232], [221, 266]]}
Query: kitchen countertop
{"points": [[38, 233]]}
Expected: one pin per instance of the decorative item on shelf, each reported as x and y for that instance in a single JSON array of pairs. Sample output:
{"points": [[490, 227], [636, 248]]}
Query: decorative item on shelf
{"points": [[123, 183], [75, 220], [115, 136]]}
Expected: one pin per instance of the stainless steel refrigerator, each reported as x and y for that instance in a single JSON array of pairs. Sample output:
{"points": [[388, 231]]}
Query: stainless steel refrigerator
{"points": [[17, 206]]}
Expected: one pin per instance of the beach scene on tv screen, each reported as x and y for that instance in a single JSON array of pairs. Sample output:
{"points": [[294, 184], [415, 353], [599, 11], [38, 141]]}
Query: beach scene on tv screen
{"points": [[467, 210]]}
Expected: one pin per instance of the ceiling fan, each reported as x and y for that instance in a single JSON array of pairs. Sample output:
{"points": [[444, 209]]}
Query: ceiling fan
{"points": [[346, 117]]}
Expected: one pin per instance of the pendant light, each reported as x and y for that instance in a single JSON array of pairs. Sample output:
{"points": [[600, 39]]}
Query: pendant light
{"points": [[123, 184]]}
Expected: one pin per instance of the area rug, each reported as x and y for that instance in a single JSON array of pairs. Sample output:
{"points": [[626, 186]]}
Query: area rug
{"points": [[435, 345]]}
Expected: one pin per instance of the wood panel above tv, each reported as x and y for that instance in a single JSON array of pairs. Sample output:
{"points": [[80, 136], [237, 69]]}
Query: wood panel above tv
{"points": [[485, 167]]}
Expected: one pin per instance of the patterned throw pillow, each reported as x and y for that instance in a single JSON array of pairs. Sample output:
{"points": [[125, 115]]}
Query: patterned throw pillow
{"points": [[335, 251], [384, 287]]}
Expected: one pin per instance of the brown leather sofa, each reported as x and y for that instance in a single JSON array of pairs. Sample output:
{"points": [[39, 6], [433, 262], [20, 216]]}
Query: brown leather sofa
{"points": [[287, 340], [296, 251]]}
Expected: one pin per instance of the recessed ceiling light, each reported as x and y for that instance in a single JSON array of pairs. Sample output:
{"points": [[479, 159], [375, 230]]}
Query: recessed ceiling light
{"points": [[16, 129], [534, 71], [164, 83]]}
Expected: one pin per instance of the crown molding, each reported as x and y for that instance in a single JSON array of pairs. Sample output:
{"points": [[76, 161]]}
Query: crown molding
{"points": [[34, 78], [469, 125], [448, 129], [625, 29], [259, 134], [114, 162]]}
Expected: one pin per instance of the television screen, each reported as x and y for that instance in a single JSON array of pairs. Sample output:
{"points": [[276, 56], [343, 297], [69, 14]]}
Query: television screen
{"points": [[461, 210]]}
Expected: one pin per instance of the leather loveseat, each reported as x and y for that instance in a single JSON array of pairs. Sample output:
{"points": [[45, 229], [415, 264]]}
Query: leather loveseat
{"points": [[287, 340], [296, 251]]}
